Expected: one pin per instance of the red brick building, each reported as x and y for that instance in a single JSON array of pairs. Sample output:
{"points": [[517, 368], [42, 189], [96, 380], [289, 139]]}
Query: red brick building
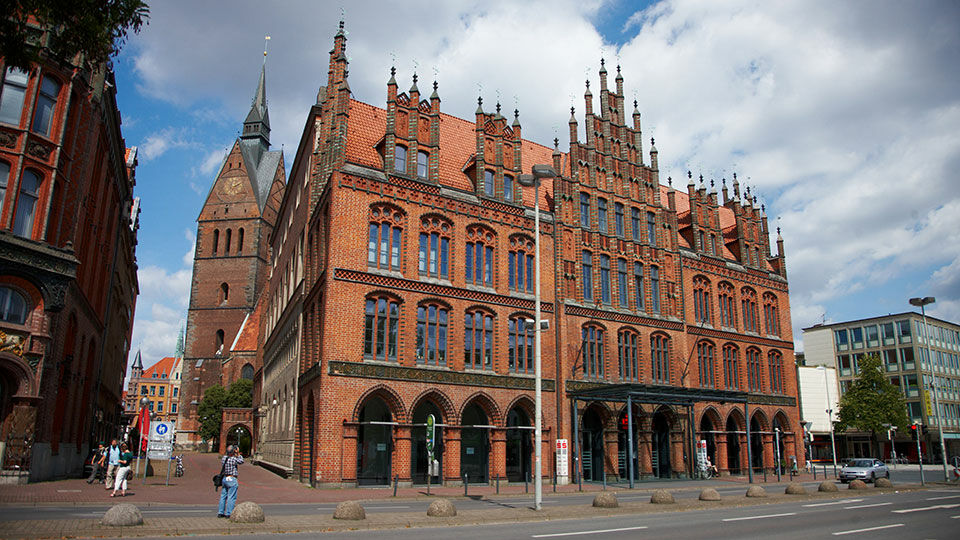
{"points": [[68, 282]]}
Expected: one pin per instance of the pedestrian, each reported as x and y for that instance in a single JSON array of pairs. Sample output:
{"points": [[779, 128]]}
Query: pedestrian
{"points": [[113, 462], [126, 458], [97, 462], [228, 495]]}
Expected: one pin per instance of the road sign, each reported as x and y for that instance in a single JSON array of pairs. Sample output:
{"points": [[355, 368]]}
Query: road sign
{"points": [[160, 443], [161, 431], [563, 456], [431, 433]]}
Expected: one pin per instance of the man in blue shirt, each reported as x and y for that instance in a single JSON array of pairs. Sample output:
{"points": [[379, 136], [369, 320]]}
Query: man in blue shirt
{"points": [[113, 462]]}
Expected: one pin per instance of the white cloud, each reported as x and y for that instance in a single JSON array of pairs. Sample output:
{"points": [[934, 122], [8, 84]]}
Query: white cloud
{"points": [[210, 163], [158, 143]]}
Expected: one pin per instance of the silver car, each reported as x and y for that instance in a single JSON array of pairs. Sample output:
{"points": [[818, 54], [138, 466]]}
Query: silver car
{"points": [[866, 469]]}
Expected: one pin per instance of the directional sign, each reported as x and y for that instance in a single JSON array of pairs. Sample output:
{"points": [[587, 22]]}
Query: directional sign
{"points": [[160, 443], [161, 431]]}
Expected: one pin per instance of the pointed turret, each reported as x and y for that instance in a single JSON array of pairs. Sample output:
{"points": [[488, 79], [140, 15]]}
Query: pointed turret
{"points": [[256, 127], [136, 370]]}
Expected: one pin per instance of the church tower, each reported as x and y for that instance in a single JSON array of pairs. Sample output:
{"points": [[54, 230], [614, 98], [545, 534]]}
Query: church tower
{"points": [[231, 261]]}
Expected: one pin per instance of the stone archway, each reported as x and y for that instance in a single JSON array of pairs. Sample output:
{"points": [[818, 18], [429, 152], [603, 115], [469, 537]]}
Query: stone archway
{"points": [[734, 430], [239, 435], [374, 442]]}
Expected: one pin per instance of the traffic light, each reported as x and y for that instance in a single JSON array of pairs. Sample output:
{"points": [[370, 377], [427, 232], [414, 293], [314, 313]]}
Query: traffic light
{"points": [[913, 431]]}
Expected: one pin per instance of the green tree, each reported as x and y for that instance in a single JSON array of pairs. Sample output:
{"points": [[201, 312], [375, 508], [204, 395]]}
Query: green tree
{"points": [[215, 398], [96, 29], [240, 393], [872, 401]]}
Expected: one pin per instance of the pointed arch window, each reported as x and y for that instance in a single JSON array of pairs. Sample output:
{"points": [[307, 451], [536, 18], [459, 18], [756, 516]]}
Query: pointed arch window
{"points": [[478, 256], [604, 278], [434, 246], [380, 330], [27, 203], [652, 229], [628, 345], [748, 301], [383, 247], [226, 250], [432, 335], [618, 219], [728, 316], [753, 370], [478, 340], [635, 224], [602, 224], [218, 342], [655, 289], [216, 240], [706, 360], [224, 292], [622, 296], [587, 276], [246, 372], [731, 366], [638, 286], [775, 367], [520, 354], [520, 264], [701, 300], [660, 358], [592, 347], [771, 314], [585, 210], [240, 241]]}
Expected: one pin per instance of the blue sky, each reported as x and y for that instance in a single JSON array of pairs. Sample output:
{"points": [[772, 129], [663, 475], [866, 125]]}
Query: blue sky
{"points": [[843, 117]]}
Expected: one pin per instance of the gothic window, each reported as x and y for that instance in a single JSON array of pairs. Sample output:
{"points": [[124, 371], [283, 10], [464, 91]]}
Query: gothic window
{"points": [[587, 275], [520, 354], [731, 366], [753, 370], [218, 342], [434, 246], [478, 256], [226, 251], [585, 210], [701, 300], [383, 248], [703, 246], [618, 219], [11, 97], [478, 340], [655, 289], [592, 347], [713, 244], [520, 264], [775, 367], [651, 228], [488, 183], [423, 159], [4, 178], [382, 317], [771, 314], [660, 358], [432, 335], [638, 285], [216, 240], [224, 292], [602, 224], [727, 311], [628, 344], [13, 306], [605, 278], [46, 103], [508, 187], [635, 224], [622, 295], [748, 301], [705, 361], [26, 203], [400, 159], [240, 241]]}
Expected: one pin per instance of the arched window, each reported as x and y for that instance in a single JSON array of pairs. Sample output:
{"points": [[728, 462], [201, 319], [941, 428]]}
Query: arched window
{"points": [[728, 316], [224, 292], [605, 278], [520, 264], [508, 187], [731, 366], [400, 159], [218, 344], [701, 300], [628, 344], [655, 289], [11, 97], [771, 314], [585, 210], [240, 241], [660, 358], [638, 286], [432, 335], [423, 159], [520, 353], [46, 103], [748, 301], [651, 228], [635, 224], [592, 347], [775, 367], [602, 225], [705, 360], [13, 306], [434, 246], [478, 340], [246, 372], [226, 250], [382, 316], [622, 297], [216, 240], [753, 370], [587, 276], [488, 183], [618, 219], [4, 178], [478, 256], [383, 249], [26, 203]]}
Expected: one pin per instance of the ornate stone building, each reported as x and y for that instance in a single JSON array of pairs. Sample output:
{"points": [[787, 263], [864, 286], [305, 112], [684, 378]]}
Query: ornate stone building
{"points": [[68, 284]]}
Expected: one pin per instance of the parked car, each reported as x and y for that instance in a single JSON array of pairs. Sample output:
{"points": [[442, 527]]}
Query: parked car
{"points": [[866, 469]]}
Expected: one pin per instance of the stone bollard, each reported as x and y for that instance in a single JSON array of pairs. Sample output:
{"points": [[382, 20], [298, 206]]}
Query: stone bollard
{"points": [[795, 489], [709, 494], [606, 499], [442, 508], [122, 515], [883, 483], [662, 496], [857, 484], [756, 491], [827, 486], [247, 512], [349, 510]]}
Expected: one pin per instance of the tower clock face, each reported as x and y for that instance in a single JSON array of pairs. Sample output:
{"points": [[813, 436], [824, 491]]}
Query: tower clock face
{"points": [[232, 187]]}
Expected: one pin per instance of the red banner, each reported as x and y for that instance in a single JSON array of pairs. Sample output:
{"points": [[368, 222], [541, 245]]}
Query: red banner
{"points": [[144, 426]]}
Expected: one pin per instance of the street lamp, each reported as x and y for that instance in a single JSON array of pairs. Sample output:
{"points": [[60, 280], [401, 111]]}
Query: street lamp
{"points": [[922, 302], [829, 411], [539, 172]]}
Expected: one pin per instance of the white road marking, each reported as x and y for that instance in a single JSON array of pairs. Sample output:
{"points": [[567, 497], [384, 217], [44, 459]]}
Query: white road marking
{"points": [[68, 491], [945, 497], [866, 505], [760, 517], [845, 501], [854, 531], [954, 517], [921, 509], [599, 531], [384, 507]]}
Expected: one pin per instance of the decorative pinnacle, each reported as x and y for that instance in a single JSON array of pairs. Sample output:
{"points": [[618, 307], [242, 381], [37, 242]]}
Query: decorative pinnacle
{"points": [[498, 108], [701, 178], [651, 142], [479, 101], [670, 181], [634, 104], [763, 208], [754, 200], [618, 69], [724, 181], [601, 61], [414, 78], [734, 177], [778, 230], [588, 84], [748, 190], [393, 71], [556, 143], [516, 113], [689, 174], [435, 86], [711, 183]]}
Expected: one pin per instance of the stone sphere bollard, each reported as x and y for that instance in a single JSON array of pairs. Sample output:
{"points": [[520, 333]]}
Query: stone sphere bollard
{"points": [[795, 489], [858, 484], [709, 494], [247, 512], [883, 483], [606, 499], [756, 491], [349, 510], [441, 508], [827, 486], [662, 496], [122, 515]]}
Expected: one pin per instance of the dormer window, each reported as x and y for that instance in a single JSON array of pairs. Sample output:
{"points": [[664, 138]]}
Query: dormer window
{"points": [[400, 159], [488, 183], [422, 159]]}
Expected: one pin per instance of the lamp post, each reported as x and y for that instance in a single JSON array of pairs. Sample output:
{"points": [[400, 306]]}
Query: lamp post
{"points": [[539, 172], [922, 302], [829, 411]]}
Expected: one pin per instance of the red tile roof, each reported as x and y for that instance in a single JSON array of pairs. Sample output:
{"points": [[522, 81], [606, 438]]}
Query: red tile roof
{"points": [[165, 366], [250, 332]]}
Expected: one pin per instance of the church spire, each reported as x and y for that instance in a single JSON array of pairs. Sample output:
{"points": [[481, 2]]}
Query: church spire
{"points": [[257, 124]]}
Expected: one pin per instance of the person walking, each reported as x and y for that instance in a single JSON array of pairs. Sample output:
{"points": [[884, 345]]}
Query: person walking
{"points": [[126, 458], [113, 462], [228, 495], [97, 463]]}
